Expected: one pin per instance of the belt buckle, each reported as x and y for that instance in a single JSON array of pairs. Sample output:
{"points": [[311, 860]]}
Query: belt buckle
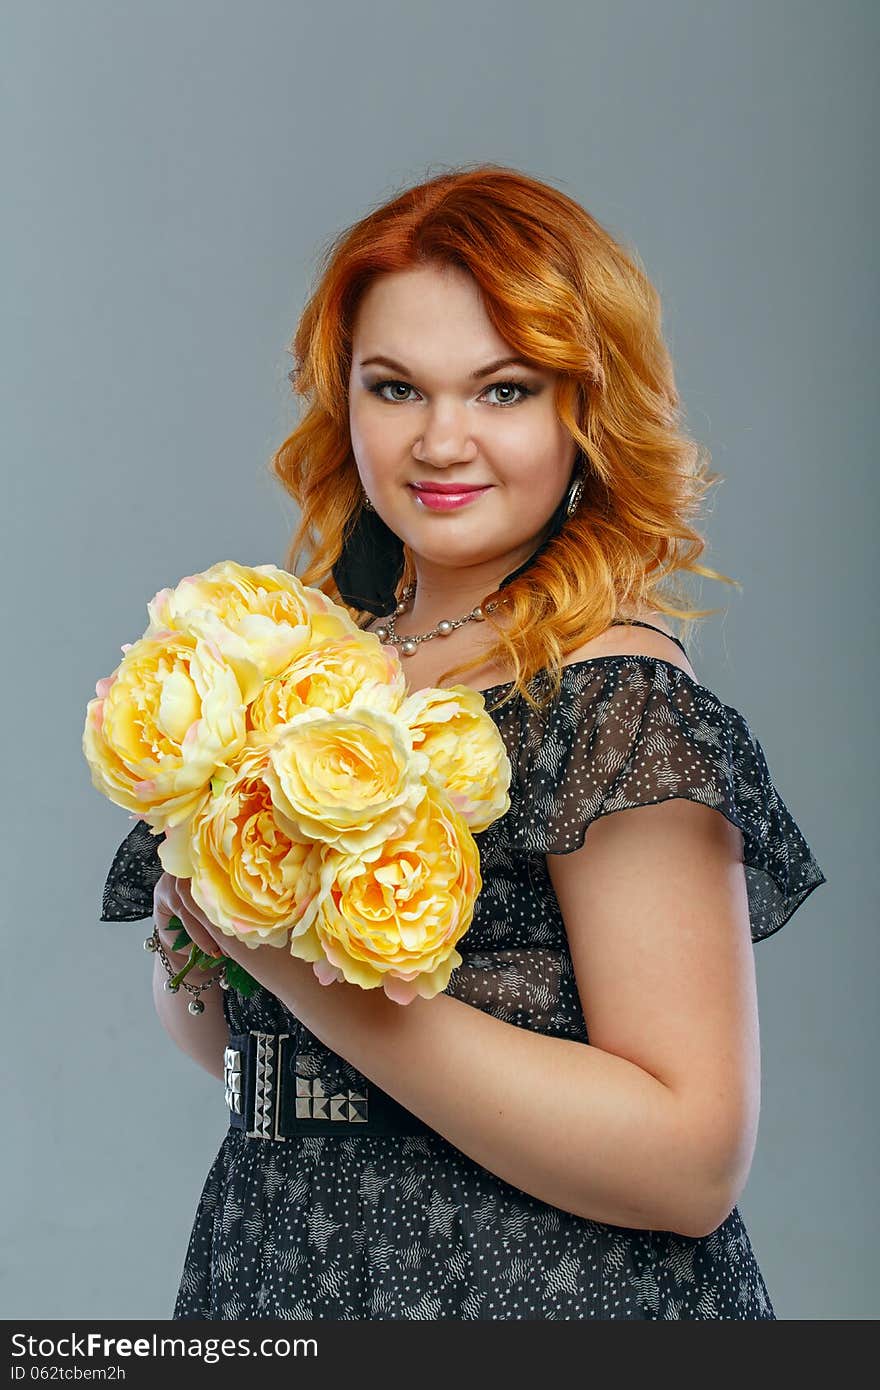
{"points": [[232, 1078], [267, 1090], [313, 1098]]}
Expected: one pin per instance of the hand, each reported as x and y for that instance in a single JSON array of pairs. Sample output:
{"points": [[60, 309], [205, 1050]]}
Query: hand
{"points": [[271, 966], [172, 898]]}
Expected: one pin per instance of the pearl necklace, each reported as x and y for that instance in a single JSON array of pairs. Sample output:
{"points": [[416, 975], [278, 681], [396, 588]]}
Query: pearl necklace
{"points": [[409, 645]]}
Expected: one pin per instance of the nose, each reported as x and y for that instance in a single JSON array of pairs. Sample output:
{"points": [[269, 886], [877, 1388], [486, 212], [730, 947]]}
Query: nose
{"points": [[445, 439]]}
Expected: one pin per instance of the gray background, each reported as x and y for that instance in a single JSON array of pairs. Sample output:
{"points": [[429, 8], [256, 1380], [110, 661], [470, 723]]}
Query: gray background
{"points": [[171, 174]]}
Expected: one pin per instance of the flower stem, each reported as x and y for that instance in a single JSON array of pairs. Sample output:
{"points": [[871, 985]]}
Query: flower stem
{"points": [[196, 957]]}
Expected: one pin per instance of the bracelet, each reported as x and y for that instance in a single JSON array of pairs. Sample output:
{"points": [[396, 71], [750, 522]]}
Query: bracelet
{"points": [[195, 1005]]}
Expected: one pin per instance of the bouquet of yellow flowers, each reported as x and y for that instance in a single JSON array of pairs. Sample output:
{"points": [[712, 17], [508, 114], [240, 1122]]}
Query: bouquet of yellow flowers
{"points": [[312, 802]]}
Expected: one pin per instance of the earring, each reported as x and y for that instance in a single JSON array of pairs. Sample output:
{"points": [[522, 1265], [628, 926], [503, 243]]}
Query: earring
{"points": [[368, 504], [574, 495]]}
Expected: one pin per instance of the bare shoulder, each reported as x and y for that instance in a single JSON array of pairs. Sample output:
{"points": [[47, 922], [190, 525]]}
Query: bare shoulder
{"points": [[625, 640]]}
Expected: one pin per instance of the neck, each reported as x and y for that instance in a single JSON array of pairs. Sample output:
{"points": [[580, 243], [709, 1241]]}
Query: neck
{"points": [[442, 592]]}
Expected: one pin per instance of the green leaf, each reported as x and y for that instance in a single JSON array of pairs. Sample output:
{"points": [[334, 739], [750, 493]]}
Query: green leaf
{"points": [[240, 980], [183, 938], [236, 975]]}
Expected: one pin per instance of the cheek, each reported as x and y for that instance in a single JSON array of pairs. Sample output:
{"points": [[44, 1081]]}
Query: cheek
{"points": [[531, 494], [373, 437], [534, 460], [531, 436]]}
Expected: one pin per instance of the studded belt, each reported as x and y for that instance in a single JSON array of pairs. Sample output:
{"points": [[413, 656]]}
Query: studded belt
{"points": [[275, 1092]]}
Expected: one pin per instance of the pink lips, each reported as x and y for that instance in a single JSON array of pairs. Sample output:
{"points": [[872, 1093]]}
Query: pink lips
{"points": [[446, 501]]}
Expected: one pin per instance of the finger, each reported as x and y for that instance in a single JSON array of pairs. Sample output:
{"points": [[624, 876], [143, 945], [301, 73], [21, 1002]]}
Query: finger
{"points": [[161, 909], [164, 908], [210, 933], [195, 930]]}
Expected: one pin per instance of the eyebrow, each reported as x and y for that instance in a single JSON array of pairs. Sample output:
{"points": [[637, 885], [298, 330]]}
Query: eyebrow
{"points": [[475, 376]]}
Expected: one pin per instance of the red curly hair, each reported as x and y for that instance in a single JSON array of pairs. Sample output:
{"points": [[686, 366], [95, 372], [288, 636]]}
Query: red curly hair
{"points": [[566, 295]]}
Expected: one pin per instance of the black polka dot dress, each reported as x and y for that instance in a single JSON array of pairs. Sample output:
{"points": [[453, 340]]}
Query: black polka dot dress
{"points": [[408, 1226]]}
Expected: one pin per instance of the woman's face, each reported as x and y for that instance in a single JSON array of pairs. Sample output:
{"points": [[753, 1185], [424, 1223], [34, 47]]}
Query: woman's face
{"points": [[431, 412]]}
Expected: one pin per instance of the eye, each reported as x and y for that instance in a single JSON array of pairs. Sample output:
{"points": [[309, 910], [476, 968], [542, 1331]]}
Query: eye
{"points": [[511, 385], [378, 388]]}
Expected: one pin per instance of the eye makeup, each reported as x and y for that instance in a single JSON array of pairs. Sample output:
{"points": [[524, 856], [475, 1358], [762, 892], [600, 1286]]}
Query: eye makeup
{"points": [[376, 388]]}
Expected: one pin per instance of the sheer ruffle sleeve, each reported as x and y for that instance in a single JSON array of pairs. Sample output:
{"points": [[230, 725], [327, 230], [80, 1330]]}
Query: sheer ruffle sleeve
{"points": [[628, 731], [134, 873]]}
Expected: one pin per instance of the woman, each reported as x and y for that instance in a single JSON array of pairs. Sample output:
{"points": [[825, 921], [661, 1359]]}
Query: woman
{"points": [[564, 1133]]}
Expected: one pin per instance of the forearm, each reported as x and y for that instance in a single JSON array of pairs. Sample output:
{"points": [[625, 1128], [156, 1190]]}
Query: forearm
{"points": [[579, 1128], [203, 1036]]}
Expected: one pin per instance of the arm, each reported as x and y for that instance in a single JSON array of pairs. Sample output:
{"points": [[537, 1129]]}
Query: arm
{"points": [[653, 1123], [202, 1036], [136, 888]]}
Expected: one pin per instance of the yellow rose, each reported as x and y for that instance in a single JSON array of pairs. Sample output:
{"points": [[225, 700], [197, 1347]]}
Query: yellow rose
{"points": [[393, 919], [259, 616], [161, 723], [467, 753], [350, 779], [248, 875], [353, 670]]}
